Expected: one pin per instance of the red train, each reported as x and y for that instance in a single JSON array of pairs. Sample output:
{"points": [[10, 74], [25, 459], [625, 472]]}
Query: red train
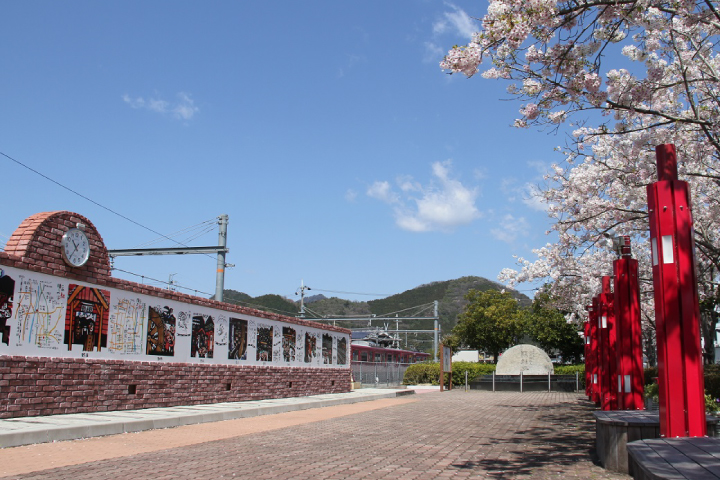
{"points": [[366, 353]]}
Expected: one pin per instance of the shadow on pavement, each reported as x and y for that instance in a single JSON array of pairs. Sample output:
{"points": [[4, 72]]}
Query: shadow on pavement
{"points": [[557, 443]]}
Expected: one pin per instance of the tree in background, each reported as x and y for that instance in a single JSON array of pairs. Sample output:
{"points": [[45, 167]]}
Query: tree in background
{"points": [[451, 340], [548, 327], [666, 89], [491, 322]]}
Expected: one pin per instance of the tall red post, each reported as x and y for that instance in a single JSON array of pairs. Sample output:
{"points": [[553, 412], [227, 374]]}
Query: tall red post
{"points": [[626, 295], [677, 311], [606, 322], [594, 354], [600, 351], [588, 359]]}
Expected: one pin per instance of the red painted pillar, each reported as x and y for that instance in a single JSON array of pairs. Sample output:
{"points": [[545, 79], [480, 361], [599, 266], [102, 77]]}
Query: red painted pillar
{"points": [[606, 322], [677, 312], [594, 354], [588, 359], [629, 335]]}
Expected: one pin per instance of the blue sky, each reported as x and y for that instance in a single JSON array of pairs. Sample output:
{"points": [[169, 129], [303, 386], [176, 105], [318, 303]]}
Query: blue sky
{"points": [[326, 130]]}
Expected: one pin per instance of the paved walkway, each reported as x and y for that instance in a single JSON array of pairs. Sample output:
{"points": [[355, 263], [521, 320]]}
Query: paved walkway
{"points": [[54, 428], [455, 434]]}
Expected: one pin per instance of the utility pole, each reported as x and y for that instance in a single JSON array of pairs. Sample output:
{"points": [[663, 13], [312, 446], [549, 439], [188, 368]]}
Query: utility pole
{"points": [[221, 250], [302, 299], [222, 242], [437, 327], [372, 318]]}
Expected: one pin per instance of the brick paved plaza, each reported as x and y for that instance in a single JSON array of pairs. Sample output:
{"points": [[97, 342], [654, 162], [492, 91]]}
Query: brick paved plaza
{"points": [[453, 434]]}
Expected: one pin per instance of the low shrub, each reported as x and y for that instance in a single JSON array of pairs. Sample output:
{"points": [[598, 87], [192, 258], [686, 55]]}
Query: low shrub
{"points": [[711, 404], [712, 384], [651, 374], [474, 371], [424, 373], [652, 391], [570, 370]]}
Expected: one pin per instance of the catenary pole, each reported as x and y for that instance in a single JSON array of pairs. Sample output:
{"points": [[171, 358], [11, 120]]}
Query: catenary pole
{"points": [[222, 242]]}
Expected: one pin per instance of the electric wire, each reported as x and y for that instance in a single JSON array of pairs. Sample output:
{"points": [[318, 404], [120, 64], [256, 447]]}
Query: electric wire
{"points": [[317, 315], [236, 302], [179, 232], [353, 293], [163, 282], [200, 234], [426, 305], [260, 307], [93, 201]]}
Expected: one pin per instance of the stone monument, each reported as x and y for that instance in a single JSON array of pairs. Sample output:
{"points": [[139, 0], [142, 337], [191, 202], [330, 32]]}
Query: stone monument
{"points": [[525, 359]]}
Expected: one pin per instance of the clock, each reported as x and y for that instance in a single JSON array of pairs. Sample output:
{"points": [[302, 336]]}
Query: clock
{"points": [[75, 247]]}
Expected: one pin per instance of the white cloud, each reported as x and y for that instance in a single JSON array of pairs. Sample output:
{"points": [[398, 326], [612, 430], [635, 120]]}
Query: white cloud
{"points": [[442, 205], [453, 26], [528, 193], [382, 191], [434, 52], [510, 228], [182, 109], [351, 196], [533, 198], [456, 22]]}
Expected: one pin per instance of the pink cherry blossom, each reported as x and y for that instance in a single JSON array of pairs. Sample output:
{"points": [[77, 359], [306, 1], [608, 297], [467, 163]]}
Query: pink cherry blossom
{"points": [[559, 56]]}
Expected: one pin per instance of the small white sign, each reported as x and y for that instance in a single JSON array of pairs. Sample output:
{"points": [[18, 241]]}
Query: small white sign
{"points": [[653, 244], [668, 252]]}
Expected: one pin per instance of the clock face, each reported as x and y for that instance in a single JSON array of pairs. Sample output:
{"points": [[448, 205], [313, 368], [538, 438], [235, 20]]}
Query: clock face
{"points": [[75, 247]]}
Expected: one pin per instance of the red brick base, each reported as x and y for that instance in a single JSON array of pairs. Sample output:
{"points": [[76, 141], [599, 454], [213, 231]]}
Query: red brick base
{"points": [[31, 386]]}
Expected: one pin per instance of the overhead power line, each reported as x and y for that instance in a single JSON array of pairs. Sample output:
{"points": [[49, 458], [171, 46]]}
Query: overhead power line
{"points": [[353, 293], [206, 226], [163, 282], [261, 307], [90, 199]]}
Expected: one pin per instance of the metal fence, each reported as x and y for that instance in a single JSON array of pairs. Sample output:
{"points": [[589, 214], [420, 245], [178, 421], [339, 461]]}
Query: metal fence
{"points": [[385, 374], [528, 383]]}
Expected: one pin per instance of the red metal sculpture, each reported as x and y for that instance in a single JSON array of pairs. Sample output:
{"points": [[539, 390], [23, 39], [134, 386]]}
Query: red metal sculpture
{"points": [[608, 337], [626, 294], [677, 314]]}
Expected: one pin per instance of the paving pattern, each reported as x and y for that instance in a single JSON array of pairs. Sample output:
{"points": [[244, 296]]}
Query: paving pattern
{"points": [[455, 434]]}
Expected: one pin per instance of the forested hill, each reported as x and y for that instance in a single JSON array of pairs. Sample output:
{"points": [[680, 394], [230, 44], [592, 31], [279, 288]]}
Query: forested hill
{"points": [[449, 294]]}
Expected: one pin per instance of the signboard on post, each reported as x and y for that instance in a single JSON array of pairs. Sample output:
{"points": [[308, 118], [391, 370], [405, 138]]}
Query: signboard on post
{"points": [[446, 366]]}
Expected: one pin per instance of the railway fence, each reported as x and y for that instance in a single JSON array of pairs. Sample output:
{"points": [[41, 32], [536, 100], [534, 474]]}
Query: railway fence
{"points": [[386, 374]]}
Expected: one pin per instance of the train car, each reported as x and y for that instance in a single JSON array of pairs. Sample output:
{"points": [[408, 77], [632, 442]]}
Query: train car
{"points": [[365, 352]]}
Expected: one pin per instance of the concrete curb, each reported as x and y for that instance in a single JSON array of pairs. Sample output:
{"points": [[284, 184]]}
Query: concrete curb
{"points": [[31, 430]]}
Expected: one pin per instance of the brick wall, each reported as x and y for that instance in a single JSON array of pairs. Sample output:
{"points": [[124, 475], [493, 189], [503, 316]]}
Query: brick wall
{"points": [[33, 386]]}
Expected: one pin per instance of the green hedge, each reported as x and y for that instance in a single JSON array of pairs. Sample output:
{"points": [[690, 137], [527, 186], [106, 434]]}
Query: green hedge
{"points": [[424, 373], [571, 370], [712, 384]]}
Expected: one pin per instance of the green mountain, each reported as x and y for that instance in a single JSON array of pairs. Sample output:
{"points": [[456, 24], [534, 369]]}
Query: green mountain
{"points": [[417, 302], [268, 303]]}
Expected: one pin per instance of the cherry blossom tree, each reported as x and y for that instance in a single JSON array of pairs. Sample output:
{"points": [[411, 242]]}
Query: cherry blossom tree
{"points": [[625, 75]]}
